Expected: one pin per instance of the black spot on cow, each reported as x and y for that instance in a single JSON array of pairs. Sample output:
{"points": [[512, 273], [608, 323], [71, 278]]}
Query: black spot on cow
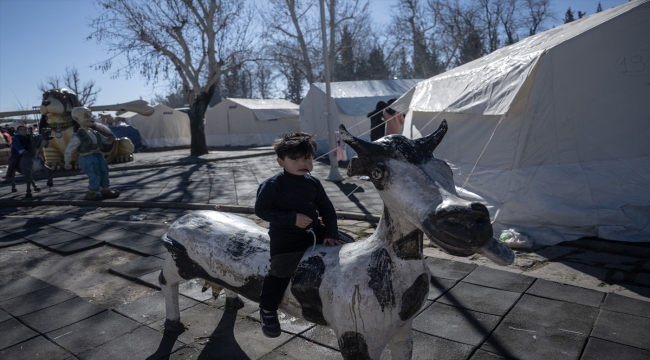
{"points": [[305, 283], [189, 269], [411, 150], [380, 271], [353, 346], [161, 279], [240, 246], [409, 247], [413, 297]]}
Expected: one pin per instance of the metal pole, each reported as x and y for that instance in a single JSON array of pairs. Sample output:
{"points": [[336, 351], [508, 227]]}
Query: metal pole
{"points": [[332, 127]]}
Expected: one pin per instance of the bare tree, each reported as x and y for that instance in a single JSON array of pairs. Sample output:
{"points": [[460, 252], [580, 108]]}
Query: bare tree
{"points": [[538, 11], [291, 37], [492, 14], [189, 41], [293, 34], [87, 92], [459, 30], [414, 29], [508, 19]]}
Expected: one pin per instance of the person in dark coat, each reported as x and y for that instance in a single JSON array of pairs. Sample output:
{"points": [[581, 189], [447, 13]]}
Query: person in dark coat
{"points": [[377, 126], [18, 146]]}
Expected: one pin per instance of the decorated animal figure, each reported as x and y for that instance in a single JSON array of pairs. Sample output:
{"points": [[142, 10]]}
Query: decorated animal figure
{"points": [[31, 161], [56, 109], [367, 292]]}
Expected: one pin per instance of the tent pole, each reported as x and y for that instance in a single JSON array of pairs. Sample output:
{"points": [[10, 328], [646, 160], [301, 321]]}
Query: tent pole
{"points": [[332, 127]]}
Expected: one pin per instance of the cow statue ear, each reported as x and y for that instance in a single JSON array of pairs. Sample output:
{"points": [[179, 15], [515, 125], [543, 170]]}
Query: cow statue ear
{"points": [[357, 167]]}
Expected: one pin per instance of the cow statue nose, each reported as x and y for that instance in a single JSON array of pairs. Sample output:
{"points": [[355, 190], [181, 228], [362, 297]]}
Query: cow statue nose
{"points": [[470, 224], [45, 102]]}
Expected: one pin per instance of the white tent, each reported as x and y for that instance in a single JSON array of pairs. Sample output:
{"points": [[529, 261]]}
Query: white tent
{"points": [[166, 127], [352, 101], [553, 131], [249, 122]]}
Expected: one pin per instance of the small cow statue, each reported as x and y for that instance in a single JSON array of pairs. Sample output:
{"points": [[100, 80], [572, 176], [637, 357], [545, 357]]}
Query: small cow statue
{"points": [[368, 291]]}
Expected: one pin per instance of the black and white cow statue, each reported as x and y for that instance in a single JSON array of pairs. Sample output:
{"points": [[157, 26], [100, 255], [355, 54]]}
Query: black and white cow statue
{"points": [[368, 291]]}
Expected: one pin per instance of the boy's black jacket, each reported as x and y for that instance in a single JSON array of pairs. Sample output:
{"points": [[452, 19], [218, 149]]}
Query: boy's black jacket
{"points": [[283, 195]]}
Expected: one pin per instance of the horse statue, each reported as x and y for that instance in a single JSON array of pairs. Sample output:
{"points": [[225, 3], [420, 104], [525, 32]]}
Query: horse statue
{"points": [[367, 292], [32, 161]]}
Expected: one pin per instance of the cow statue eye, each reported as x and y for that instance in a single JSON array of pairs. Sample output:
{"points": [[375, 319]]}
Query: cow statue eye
{"points": [[377, 173]]}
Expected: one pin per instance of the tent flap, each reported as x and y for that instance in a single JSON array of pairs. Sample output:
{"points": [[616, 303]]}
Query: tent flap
{"points": [[274, 114]]}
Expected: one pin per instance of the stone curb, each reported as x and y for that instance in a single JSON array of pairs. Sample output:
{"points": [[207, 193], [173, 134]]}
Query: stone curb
{"points": [[117, 167], [347, 215]]}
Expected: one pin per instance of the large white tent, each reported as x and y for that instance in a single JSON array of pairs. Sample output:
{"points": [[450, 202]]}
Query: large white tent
{"points": [[553, 131], [249, 122], [352, 100], [166, 127]]}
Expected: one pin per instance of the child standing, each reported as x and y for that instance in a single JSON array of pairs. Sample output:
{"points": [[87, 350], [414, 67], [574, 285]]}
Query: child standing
{"points": [[18, 147], [291, 201], [87, 143]]}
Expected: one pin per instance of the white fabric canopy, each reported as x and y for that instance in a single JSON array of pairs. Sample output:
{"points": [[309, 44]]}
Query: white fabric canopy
{"points": [[554, 130], [352, 101], [166, 127], [249, 122]]}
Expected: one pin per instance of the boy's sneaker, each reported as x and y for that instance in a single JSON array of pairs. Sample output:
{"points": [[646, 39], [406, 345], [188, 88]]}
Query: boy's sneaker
{"points": [[270, 324]]}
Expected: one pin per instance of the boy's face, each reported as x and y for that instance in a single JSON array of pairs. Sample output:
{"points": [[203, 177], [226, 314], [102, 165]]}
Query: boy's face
{"points": [[300, 166], [22, 130]]}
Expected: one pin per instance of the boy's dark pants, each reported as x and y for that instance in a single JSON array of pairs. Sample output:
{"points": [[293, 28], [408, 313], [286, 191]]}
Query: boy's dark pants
{"points": [[282, 268]]}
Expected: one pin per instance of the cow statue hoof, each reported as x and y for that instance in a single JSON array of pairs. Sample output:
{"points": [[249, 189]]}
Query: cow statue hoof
{"points": [[174, 326], [234, 303]]}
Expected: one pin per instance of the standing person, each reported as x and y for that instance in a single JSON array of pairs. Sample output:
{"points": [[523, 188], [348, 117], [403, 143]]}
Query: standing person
{"points": [[291, 201], [18, 146], [87, 142], [377, 126], [394, 120]]}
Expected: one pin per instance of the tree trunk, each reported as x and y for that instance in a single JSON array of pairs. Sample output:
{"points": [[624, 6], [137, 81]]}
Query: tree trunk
{"points": [[197, 124]]}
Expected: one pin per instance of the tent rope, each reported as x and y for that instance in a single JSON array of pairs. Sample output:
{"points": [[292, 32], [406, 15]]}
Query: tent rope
{"points": [[480, 156]]}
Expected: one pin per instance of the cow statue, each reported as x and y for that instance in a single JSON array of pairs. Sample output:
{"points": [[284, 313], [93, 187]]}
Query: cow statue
{"points": [[367, 292], [56, 109]]}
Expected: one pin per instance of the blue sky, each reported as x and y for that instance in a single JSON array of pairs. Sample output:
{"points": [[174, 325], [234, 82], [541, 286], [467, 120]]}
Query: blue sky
{"points": [[40, 38]]}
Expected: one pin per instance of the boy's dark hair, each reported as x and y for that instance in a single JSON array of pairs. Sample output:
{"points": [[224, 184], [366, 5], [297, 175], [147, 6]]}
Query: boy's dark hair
{"points": [[295, 145], [21, 126]]}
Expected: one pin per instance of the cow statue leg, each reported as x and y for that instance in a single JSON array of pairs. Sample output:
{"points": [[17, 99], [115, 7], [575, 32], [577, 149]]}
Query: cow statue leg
{"points": [[169, 280], [216, 289], [401, 345], [233, 301]]}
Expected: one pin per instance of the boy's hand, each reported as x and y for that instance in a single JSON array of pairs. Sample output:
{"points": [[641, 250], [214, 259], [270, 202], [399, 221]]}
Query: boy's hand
{"points": [[332, 242], [302, 220]]}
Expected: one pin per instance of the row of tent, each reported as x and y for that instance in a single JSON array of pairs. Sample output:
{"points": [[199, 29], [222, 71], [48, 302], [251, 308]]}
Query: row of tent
{"points": [[552, 132], [257, 122]]}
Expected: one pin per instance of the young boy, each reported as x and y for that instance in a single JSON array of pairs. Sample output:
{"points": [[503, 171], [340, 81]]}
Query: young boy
{"points": [[18, 147], [291, 201]]}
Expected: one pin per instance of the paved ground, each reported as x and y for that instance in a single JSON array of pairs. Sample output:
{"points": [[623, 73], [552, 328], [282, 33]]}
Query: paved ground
{"points": [[78, 279]]}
